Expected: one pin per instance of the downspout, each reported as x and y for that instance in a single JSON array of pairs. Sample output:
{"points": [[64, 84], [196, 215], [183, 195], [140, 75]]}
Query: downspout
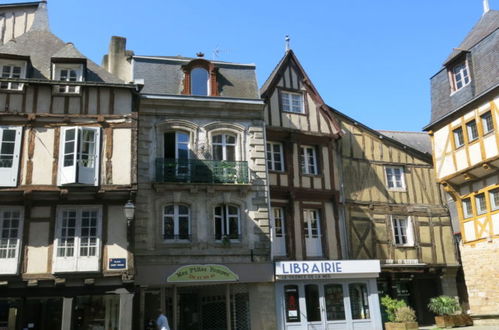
{"points": [[267, 187]]}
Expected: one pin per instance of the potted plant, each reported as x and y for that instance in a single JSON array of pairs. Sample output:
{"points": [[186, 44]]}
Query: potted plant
{"points": [[401, 316], [445, 308]]}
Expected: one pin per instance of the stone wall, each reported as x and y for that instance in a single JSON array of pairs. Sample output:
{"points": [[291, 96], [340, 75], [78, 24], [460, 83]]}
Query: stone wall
{"points": [[481, 271]]}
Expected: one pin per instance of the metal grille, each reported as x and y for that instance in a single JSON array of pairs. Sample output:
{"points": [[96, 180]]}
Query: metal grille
{"points": [[239, 307], [213, 312]]}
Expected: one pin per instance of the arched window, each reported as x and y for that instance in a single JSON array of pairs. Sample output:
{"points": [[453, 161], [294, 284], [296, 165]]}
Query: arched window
{"points": [[176, 222], [199, 82], [224, 147], [227, 222]]}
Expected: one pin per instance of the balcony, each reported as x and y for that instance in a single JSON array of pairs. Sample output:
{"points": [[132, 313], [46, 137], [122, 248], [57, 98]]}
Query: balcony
{"points": [[201, 171]]}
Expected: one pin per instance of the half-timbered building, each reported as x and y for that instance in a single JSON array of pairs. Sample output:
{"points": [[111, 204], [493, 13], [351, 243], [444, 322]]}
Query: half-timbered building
{"points": [[202, 231], [67, 169], [315, 288], [464, 130], [396, 212]]}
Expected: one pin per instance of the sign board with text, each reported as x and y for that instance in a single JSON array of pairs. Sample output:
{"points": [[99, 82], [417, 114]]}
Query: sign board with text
{"points": [[325, 268], [203, 273]]}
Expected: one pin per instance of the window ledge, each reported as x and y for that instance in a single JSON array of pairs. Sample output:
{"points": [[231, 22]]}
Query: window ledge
{"points": [[294, 113], [12, 91], [398, 189], [313, 175], [400, 246]]}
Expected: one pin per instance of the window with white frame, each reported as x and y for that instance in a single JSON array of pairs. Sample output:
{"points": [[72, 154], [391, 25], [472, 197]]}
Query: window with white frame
{"points": [[224, 147], [395, 177], [292, 102], [10, 146], [275, 158], [458, 137], [279, 226], [472, 130], [311, 225], [487, 122], [79, 155], [14, 70], [494, 199], [308, 160], [481, 205], [77, 239], [460, 76], [227, 222], [11, 224], [176, 222], [403, 233], [467, 208], [69, 73]]}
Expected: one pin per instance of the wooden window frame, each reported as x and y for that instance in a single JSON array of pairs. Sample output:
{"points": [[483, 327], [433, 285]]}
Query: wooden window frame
{"points": [[212, 76], [10, 174], [305, 167], [403, 186], [176, 223], [67, 89], [397, 231], [470, 131], [483, 121], [467, 211], [458, 138], [289, 94], [493, 205], [10, 266], [225, 223], [270, 152], [463, 73], [9, 86]]}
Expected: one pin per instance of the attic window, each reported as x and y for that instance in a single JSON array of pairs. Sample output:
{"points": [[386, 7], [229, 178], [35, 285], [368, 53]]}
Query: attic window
{"points": [[459, 75], [12, 69], [69, 73], [200, 78]]}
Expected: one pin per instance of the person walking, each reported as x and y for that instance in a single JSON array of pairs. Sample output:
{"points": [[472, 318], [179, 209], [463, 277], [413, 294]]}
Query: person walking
{"points": [[162, 321]]}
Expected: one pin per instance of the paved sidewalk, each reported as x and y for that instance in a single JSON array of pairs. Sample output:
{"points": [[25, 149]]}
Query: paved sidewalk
{"points": [[473, 327]]}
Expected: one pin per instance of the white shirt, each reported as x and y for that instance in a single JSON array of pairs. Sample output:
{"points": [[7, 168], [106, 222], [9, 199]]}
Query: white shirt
{"points": [[162, 322]]}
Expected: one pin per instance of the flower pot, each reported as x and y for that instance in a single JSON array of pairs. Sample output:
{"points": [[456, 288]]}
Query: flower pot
{"points": [[401, 326], [444, 321]]}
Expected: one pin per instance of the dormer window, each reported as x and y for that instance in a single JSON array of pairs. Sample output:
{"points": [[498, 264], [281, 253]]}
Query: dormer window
{"points": [[12, 69], [70, 73], [200, 78], [459, 76]]}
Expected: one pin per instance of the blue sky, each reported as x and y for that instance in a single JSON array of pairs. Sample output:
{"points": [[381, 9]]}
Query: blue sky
{"points": [[371, 59]]}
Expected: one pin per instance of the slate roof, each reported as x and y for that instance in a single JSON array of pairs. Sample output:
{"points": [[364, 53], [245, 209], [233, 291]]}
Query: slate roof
{"points": [[418, 140], [487, 24], [41, 45], [163, 75]]}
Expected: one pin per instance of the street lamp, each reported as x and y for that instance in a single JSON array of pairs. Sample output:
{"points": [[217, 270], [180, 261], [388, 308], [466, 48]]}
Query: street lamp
{"points": [[129, 211]]}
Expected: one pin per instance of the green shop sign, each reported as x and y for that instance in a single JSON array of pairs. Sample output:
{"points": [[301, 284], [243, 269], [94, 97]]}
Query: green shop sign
{"points": [[203, 273]]}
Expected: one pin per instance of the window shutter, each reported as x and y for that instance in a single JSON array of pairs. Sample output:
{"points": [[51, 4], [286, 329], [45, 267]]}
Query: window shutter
{"points": [[10, 146], [68, 161], [88, 156]]}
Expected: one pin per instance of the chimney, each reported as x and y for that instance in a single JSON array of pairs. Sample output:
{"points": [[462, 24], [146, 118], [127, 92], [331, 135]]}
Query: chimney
{"points": [[486, 7], [116, 54]]}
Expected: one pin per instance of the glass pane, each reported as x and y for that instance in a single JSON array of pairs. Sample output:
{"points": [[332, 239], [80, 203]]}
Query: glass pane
{"points": [[169, 209], [292, 304], [231, 153], [230, 139], [183, 230], [218, 227], [96, 312], [168, 228], [199, 82], [335, 308], [233, 228], [218, 152], [359, 301], [312, 302]]}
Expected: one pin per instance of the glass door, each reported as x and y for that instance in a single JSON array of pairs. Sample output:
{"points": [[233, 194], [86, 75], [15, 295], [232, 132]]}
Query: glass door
{"points": [[279, 225], [312, 231]]}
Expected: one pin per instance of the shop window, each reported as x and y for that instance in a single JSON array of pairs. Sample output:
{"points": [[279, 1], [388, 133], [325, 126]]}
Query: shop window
{"points": [[458, 137], [494, 199], [77, 239], [11, 224], [292, 302], [481, 205], [487, 122], [335, 307], [312, 302], [227, 226], [79, 156], [275, 158], [467, 209], [96, 312], [395, 177], [292, 102], [472, 130], [308, 160], [359, 301], [10, 146], [403, 233], [176, 222]]}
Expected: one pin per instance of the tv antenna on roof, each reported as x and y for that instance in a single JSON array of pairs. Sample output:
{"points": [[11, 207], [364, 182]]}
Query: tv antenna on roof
{"points": [[217, 52]]}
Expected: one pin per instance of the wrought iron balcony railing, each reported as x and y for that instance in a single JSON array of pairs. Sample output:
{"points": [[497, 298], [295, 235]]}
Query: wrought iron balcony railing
{"points": [[201, 171]]}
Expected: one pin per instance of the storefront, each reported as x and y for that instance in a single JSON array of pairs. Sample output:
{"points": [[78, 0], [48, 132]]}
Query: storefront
{"points": [[327, 294], [205, 296]]}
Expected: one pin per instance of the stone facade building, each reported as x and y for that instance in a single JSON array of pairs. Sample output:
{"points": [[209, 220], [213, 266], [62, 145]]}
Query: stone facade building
{"points": [[465, 136], [66, 171], [202, 241]]}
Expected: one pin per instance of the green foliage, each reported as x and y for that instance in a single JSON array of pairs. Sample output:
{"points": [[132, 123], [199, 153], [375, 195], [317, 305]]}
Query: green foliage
{"points": [[392, 305], [405, 314], [443, 305]]}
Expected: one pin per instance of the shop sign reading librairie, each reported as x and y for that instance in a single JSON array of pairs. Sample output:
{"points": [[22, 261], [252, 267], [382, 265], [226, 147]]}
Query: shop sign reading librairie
{"points": [[203, 273], [326, 267]]}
